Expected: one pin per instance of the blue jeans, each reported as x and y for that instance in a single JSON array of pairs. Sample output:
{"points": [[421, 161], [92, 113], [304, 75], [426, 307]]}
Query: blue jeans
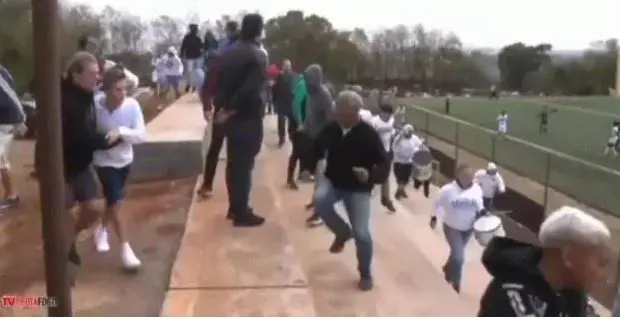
{"points": [[616, 309], [243, 142], [357, 205], [457, 241]]}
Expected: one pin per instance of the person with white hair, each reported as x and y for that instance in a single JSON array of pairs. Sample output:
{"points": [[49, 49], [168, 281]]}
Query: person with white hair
{"points": [[461, 204], [356, 161], [491, 182], [550, 279], [404, 146]]}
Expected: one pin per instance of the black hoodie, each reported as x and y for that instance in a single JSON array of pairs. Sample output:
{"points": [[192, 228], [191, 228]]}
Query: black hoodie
{"points": [[80, 137], [191, 47], [518, 288]]}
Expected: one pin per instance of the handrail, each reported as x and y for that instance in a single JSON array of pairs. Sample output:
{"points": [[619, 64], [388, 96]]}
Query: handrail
{"points": [[520, 141]]}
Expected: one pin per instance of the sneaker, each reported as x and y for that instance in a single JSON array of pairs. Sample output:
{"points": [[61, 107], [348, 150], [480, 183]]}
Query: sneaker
{"points": [[11, 201], [338, 244], [130, 261], [365, 284], [292, 185], [100, 237], [314, 221], [249, 220], [387, 203]]}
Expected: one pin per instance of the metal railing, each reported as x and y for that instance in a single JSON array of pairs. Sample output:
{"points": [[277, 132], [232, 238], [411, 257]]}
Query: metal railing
{"points": [[585, 182]]}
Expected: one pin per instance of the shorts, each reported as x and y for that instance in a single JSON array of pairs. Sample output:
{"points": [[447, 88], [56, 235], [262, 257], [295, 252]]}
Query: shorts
{"points": [[172, 81], [6, 139], [402, 172], [113, 182], [81, 188], [503, 128]]}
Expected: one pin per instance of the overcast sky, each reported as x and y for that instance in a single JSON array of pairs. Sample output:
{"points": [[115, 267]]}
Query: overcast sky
{"points": [[568, 25]]}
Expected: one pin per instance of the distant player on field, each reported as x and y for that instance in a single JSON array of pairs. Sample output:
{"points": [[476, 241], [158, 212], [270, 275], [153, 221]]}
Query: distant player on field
{"points": [[544, 119], [502, 123], [612, 142]]}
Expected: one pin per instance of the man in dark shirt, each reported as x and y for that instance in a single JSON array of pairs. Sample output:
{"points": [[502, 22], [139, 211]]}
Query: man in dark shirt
{"points": [[80, 138], [282, 93], [242, 81], [216, 130], [191, 53], [356, 161]]}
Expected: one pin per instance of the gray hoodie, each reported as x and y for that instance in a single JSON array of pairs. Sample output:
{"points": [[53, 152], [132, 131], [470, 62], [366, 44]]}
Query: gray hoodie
{"points": [[319, 103]]}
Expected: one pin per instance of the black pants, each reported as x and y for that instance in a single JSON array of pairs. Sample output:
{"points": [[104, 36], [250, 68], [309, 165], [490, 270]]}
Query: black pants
{"points": [[488, 203], [301, 152], [426, 184], [282, 127], [213, 155], [243, 142]]}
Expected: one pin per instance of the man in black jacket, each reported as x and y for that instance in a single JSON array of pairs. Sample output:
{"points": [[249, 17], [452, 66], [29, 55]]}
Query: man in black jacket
{"points": [[282, 93], [240, 95], [551, 280], [191, 53], [80, 138], [356, 161]]}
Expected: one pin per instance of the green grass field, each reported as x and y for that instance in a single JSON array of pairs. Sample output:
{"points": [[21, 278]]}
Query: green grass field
{"points": [[580, 127]]}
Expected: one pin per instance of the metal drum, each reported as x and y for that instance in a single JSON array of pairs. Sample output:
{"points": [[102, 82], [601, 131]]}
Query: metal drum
{"points": [[423, 164]]}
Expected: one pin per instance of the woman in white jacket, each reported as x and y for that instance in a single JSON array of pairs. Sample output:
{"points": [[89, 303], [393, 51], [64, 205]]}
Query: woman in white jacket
{"points": [[121, 116], [461, 204]]}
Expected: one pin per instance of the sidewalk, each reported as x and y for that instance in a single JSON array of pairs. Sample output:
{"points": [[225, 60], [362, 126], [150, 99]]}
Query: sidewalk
{"points": [[284, 269]]}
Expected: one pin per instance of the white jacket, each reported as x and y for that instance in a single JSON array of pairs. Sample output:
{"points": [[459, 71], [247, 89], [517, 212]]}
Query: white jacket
{"points": [[490, 184], [459, 206]]}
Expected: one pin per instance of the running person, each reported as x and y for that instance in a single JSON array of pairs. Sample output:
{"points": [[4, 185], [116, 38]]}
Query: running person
{"points": [[403, 148], [502, 123], [544, 119], [122, 117], [383, 123]]}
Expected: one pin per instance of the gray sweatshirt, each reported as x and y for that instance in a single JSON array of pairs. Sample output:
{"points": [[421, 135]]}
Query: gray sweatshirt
{"points": [[319, 102]]}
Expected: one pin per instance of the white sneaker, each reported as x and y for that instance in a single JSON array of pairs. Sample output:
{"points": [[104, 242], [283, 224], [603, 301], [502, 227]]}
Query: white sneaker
{"points": [[130, 261], [101, 239]]}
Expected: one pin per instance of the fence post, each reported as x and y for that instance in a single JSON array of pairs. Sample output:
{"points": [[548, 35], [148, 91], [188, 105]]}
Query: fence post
{"points": [[456, 145], [427, 120], [547, 177], [493, 146]]}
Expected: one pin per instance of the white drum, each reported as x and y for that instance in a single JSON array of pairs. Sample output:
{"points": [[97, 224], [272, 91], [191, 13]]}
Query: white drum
{"points": [[487, 227]]}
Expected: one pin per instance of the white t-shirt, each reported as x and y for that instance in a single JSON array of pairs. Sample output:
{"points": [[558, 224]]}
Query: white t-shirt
{"points": [[404, 148], [173, 66], [502, 120], [366, 116], [385, 129], [128, 119], [460, 206]]}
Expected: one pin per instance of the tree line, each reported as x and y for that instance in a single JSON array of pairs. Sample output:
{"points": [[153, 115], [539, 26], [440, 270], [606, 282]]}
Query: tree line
{"points": [[412, 58]]}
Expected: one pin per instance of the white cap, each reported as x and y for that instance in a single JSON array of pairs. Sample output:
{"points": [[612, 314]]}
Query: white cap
{"points": [[408, 128], [172, 50], [491, 166]]}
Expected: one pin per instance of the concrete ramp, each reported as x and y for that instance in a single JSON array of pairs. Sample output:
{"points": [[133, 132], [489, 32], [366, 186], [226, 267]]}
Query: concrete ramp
{"points": [[284, 269], [174, 143]]}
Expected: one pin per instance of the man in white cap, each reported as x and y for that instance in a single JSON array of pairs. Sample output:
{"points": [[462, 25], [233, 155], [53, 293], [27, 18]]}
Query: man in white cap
{"points": [[491, 182]]}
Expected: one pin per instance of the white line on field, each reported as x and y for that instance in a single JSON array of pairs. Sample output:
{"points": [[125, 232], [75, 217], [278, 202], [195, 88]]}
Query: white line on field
{"points": [[521, 141]]}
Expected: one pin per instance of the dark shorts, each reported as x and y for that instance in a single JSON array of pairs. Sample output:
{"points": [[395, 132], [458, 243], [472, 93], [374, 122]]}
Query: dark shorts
{"points": [[113, 182], [402, 173], [82, 188]]}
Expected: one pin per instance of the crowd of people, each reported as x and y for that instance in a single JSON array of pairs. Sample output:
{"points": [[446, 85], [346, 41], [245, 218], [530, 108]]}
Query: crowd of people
{"points": [[338, 145]]}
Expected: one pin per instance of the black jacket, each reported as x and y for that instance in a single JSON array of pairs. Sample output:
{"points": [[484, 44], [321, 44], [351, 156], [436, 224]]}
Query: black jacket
{"points": [[191, 47], [361, 146], [518, 289], [80, 137], [242, 80], [282, 92]]}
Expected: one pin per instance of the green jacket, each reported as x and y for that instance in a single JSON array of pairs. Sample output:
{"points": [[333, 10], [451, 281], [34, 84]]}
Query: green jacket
{"points": [[300, 94]]}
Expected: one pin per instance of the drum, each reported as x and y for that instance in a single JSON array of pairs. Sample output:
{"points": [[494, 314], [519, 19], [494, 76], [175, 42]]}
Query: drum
{"points": [[487, 227], [422, 164]]}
